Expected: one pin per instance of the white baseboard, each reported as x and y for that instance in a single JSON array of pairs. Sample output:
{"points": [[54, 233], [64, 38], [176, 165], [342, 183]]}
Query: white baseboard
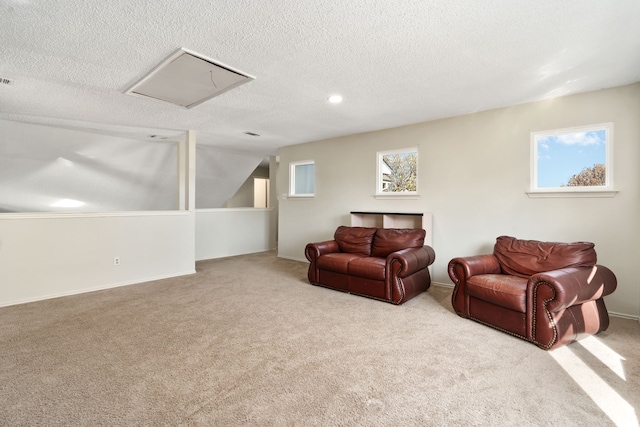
{"points": [[234, 254], [294, 259], [443, 285], [624, 316]]}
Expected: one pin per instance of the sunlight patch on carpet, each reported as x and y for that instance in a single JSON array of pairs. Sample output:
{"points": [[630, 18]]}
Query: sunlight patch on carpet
{"points": [[607, 399], [605, 354]]}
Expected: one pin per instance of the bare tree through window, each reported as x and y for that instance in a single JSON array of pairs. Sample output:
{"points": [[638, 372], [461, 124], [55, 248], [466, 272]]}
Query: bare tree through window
{"points": [[398, 171]]}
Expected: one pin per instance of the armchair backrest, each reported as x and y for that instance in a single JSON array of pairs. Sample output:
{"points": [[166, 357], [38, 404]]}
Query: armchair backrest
{"points": [[523, 258]]}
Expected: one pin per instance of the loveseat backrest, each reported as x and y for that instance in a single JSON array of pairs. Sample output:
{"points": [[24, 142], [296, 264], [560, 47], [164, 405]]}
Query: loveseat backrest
{"points": [[355, 240], [524, 258], [388, 240], [378, 242]]}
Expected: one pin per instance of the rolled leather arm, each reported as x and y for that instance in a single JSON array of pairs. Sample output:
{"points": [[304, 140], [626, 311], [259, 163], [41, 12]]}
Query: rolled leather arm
{"points": [[314, 250], [574, 285], [460, 269], [410, 260]]}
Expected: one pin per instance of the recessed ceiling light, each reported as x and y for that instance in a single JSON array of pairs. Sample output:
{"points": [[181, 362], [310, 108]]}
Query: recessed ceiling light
{"points": [[335, 99]]}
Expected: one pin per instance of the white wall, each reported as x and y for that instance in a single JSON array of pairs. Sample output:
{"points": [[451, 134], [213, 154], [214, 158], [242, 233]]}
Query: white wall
{"points": [[473, 176], [50, 255], [46, 255], [40, 165], [229, 232]]}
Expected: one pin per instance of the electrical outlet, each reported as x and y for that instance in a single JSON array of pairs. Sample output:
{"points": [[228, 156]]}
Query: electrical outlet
{"points": [[116, 261]]}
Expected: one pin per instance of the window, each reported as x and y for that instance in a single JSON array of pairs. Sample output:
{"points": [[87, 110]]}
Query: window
{"points": [[397, 172], [572, 161], [302, 179]]}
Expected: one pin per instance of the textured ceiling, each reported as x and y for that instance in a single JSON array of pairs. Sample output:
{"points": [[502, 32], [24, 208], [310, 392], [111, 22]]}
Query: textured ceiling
{"points": [[395, 63]]}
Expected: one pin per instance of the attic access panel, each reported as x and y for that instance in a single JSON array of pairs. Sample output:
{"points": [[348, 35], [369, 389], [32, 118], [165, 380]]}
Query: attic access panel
{"points": [[188, 79]]}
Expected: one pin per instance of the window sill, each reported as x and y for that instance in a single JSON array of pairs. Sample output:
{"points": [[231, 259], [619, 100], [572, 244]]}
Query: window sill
{"points": [[294, 197], [571, 194], [398, 196]]}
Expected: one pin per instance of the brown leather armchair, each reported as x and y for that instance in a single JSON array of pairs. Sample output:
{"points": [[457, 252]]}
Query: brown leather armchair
{"points": [[548, 293]]}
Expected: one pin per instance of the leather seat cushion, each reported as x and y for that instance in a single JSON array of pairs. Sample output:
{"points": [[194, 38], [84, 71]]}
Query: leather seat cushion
{"points": [[500, 289], [525, 258], [337, 261], [369, 267]]}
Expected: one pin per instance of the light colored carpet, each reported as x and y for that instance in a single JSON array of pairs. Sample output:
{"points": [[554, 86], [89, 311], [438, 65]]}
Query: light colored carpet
{"points": [[247, 341]]}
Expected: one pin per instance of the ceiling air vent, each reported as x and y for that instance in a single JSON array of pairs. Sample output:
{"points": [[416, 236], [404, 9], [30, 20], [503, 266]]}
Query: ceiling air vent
{"points": [[5, 81], [188, 79]]}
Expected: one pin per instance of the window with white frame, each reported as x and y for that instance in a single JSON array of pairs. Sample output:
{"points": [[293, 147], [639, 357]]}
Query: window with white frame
{"points": [[397, 172], [302, 179], [572, 160]]}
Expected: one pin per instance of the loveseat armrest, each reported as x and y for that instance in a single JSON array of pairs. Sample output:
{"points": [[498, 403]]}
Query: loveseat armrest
{"points": [[460, 269], [313, 251], [405, 262], [571, 286]]}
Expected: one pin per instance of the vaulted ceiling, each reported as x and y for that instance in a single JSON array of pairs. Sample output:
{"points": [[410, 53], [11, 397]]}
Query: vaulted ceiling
{"points": [[395, 63]]}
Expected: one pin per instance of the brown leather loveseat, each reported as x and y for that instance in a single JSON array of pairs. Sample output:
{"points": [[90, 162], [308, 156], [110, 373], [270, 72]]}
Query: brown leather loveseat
{"points": [[548, 293], [388, 264]]}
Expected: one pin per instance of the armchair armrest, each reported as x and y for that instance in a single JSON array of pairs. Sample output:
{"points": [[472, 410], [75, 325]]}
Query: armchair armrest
{"points": [[460, 269], [572, 286], [313, 251], [405, 262]]}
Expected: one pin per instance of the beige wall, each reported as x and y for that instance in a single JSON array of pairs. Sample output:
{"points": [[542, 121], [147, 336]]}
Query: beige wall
{"points": [[244, 196], [473, 176]]}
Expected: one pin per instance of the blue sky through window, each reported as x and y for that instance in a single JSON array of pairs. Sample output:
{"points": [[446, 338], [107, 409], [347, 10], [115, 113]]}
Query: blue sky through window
{"points": [[563, 155]]}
